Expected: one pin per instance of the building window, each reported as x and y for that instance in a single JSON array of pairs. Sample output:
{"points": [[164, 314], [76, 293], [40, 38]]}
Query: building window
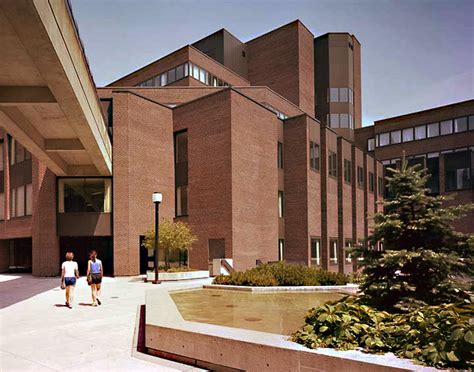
{"points": [[371, 182], [460, 125], [407, 135], [432, 166], [371, 144], [281, 249], [17, 152], [333, 95], [432, 130], [29, 200], [384, 139], [314, 160], [446, 127], [334, 120], [344, 121], [395, 137], [315, 251], [281, 204], [360, 177], [84, 195], [333, 251], [471, 122], [420, 132], [280, 155], [332, 160], [457, 167], [2, 206], [1, 156], [380, 185], [181, 201], [347, 250], [347, 171]]}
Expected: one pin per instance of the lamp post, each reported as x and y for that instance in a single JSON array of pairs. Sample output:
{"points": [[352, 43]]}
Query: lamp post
{"points": [[157, 198]]}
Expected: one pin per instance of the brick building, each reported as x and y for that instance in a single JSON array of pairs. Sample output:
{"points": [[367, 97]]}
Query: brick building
{"points": [[257, 145]]}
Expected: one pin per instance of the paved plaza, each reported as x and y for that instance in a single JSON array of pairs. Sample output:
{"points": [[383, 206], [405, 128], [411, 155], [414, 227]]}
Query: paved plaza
{"points": [[39, 333]]}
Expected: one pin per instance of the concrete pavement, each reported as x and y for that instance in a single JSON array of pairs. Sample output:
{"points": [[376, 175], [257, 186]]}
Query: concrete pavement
{"points": [[39, 333]]}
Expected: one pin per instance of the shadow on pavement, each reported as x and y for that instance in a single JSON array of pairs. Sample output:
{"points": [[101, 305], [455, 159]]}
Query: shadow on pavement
{"points": [[24, 287]]}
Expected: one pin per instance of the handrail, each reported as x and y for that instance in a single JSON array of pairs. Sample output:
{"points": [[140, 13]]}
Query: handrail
{"points": [[227, 266]]}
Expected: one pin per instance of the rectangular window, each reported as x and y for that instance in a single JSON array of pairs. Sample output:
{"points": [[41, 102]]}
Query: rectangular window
{"points": [[380, 185], [29, 199], [332, 158], [281, 204], [432, 130], [432, 165], [315, 252], [186, 69], [384, 139], [202, 76], [360, 177], [164, 79], [171, 76], [343, 94], [13, 203], [334, 121], [333, 251], [395, 137], [333, 95], [343, 120], [446, 127], [20, 201], [347, 171], [408, 135], [1, 156], [471, 122], [457, 167], [2, 206], [371, 144], [81, 195], [281, 249], [280, 155], [371, 182], [181, 201], [180, 72], [181, 147], [314, 160], [420, 132], [460, 125], [347, 250], [195, 72]]}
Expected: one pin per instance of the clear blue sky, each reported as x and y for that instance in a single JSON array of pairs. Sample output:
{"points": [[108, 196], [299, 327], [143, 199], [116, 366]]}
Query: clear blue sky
{"points": [[416, 54]]}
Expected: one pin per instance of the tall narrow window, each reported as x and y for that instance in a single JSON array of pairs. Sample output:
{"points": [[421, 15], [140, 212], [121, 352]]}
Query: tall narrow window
{"points": [[360, 177], [29, 199], [280, 155], [315, 251], [371, 182], [380, 185], [332, 160], [432, 166], [181, 173], [371, 144], [281, 204], [2, 206], [347, 171], [347, 250], [333, 251], [314, 160], [457, 170], [13, 203], [281, 249], [1, 156]]}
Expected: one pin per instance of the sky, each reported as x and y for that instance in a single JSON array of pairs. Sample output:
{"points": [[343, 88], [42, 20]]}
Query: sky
{"points": [[416, 54]]}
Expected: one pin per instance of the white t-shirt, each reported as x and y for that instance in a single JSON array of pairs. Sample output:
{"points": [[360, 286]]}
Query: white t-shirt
{"points": [[69, 268]]}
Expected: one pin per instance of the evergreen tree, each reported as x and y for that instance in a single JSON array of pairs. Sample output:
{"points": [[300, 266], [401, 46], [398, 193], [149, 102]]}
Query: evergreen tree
{"points": [[424, 260]]}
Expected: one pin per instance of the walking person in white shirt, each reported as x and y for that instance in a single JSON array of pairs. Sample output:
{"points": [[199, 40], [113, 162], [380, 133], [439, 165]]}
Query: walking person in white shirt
{"points": [[69, 274]]}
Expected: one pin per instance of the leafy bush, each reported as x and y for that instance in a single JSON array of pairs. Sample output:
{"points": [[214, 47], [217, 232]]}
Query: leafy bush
{"points": [[439, 336], [281, 274]]}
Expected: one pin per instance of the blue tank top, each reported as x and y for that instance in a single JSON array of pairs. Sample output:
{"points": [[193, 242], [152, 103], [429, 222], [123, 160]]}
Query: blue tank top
{"points": [[95, 266]]}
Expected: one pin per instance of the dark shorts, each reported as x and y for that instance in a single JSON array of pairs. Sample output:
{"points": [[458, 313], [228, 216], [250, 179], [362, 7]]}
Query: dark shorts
{"points": [[69, 281], [96, 278]]}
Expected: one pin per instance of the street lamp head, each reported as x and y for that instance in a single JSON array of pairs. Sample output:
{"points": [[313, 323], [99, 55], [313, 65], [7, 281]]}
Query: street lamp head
{"points": [[157, 197]]}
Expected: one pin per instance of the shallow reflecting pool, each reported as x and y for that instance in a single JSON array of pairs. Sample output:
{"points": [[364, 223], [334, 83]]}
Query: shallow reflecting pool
{"points": [[281, 313]]}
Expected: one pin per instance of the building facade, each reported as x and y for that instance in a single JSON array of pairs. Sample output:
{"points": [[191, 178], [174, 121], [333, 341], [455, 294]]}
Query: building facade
{"points": [[256, 145]]}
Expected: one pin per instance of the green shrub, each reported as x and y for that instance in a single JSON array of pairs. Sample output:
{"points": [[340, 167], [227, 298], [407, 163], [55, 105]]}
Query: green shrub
{"points": [[439, 336], [282, 274]]}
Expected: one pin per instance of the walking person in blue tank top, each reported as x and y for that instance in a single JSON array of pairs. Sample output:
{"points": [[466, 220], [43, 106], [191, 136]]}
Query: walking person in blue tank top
{"points": [[95, 271]]}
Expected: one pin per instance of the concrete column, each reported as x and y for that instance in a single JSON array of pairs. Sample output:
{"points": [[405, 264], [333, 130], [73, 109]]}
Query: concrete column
{"points": [[45, 241]]}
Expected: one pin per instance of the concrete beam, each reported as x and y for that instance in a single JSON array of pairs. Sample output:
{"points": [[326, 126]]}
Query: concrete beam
{"points": [[17, 125], [63, 144], [82, 170], [25, 95]]}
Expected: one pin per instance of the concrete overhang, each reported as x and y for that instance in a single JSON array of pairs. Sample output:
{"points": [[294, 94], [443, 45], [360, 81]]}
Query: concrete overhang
{"points": [[48, 100]]}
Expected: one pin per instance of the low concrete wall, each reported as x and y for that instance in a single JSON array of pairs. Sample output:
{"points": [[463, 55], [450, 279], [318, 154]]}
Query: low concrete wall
{"points": [[349, 288], [184, 275], [167, 333]]}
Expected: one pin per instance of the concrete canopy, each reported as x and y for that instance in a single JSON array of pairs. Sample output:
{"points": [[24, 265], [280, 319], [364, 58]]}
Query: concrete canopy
{"points": [[48, 100]]}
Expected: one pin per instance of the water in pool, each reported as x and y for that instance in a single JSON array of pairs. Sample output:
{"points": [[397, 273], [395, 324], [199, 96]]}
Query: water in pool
{"points": [[281, 313]]}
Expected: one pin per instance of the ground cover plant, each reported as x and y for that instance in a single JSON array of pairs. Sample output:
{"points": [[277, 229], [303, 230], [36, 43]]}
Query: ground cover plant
{"points": [[282, 274], [416, 298]]}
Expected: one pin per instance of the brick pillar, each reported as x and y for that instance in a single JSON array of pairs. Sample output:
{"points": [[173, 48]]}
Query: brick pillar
{"points": [[340, 206], [45, 240], [6, 176], [324, 216]]}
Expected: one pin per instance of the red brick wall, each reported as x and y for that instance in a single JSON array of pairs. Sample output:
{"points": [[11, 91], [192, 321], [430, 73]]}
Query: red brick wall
{"points": [[314, 186], [306, 69], [208, 122], [142, 164], [254, 182]]}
